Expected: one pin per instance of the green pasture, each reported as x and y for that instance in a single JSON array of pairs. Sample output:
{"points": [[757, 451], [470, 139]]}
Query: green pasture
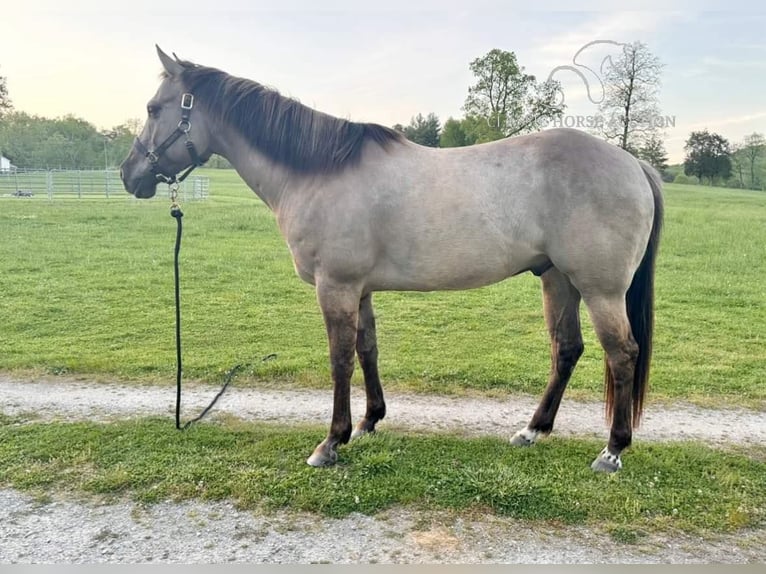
{"points": [[669, 487], [86, 289]]}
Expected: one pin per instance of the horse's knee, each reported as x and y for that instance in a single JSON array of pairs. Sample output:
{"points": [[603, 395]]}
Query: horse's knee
{"points": [[366, 349], [568, 353]]}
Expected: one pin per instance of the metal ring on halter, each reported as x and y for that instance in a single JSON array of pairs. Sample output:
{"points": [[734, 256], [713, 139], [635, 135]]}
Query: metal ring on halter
{"points": [[184, 126]]}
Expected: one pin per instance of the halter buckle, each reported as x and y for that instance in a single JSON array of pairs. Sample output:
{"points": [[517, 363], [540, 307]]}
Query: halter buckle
{"points": [[187, 101]]}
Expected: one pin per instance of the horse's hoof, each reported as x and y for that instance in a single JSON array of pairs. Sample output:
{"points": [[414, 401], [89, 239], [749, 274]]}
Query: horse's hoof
{"points": [[323, 455], [525, 437], [607, 462], [362, 428]]}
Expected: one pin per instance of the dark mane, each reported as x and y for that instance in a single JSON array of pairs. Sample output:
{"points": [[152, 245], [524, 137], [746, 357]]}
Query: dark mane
{"points": [[281, 128]]}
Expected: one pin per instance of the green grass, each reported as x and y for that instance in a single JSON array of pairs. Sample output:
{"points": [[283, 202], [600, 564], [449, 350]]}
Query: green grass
{"points": [[686, 487], [86, 289]]}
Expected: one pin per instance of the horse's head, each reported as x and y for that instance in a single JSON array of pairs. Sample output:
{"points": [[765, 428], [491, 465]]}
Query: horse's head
{"points": [[175, 136]]}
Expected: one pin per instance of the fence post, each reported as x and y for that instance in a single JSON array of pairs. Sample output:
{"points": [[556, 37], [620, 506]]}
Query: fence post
{"points": [[49, 182]]}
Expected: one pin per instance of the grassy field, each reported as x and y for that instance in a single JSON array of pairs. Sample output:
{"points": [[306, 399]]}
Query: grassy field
{"points": [[86, 289], [685, 487]]}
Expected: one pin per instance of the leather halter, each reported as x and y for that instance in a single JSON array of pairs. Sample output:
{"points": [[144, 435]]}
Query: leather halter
{"points": [[183, 129]]}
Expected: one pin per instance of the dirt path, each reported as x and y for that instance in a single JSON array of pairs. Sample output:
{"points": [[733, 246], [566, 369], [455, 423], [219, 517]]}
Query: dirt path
{"points": [[69, 399], [67, 530]]}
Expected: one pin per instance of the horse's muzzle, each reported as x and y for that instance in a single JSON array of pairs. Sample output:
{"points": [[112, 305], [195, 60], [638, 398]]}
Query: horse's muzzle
{"points": [[141, 185]]}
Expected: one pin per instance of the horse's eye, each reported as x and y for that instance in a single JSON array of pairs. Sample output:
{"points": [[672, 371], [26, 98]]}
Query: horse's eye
{"points": [[153, 110]]}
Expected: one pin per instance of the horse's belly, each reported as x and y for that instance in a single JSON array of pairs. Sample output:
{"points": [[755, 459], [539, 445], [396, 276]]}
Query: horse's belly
{"points": [[450, 269]]}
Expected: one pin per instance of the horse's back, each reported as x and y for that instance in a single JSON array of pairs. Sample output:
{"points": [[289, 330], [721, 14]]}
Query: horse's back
{"points": [[559, 193], [415, 218]]}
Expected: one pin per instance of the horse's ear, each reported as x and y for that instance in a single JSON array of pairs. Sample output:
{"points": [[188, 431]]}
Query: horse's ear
{"points": [[172, 67]]}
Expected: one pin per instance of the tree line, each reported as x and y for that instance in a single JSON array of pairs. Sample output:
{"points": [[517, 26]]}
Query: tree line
{"points": [[63, 143], [31, 141], [503, 101], [69, 142], [711, 159]]}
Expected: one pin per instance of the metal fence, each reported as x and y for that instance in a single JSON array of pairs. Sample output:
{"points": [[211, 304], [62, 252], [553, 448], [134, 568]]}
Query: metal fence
{"points": [[80, 184]]}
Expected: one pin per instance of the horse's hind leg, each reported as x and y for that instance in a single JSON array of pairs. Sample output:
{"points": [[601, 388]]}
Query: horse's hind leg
{"points": [[610, 320], [561, 304], [367, 353]]}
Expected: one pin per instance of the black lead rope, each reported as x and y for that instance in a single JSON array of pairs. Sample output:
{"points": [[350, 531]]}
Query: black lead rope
{"points": [[175, 211]]}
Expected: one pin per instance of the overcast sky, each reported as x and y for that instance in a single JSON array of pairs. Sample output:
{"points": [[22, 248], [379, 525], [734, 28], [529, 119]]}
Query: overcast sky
{"points": [[373, 64]]}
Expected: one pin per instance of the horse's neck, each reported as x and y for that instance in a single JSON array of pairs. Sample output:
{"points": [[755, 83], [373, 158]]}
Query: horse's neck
{"points": [[268, 180]]}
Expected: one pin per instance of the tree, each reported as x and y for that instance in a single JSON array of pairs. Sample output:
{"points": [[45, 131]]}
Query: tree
{"points": [[455, 134], [505, 100], [423, 130], [707, 155], [630, 108], [738, 162], [83, 142], [22, 139], [5, 100], [753, 148], [653, 151], [120, 140], [68, 142]]}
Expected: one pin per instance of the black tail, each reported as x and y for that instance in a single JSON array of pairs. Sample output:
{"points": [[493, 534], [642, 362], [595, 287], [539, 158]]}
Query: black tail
{"points": [[640, 305]]}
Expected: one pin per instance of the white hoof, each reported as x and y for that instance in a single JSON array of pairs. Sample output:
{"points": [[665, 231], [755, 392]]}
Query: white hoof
{"points": [[525, 437], [358, 432], [607, 462], [323, 455]]}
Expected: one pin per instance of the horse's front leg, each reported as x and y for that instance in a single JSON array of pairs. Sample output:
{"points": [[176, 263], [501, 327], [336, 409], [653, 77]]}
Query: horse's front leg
{"points": [[340, 308]]}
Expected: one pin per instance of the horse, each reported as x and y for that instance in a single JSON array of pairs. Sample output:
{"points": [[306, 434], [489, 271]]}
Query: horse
{"points": [[364, 210]]}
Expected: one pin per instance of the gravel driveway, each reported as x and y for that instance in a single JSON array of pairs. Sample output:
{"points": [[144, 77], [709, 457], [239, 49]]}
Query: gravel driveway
{"points": [[69, 530]]}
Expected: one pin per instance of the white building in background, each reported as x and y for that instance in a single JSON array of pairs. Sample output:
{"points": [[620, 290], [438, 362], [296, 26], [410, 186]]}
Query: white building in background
{"points": [[5, 164]]}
